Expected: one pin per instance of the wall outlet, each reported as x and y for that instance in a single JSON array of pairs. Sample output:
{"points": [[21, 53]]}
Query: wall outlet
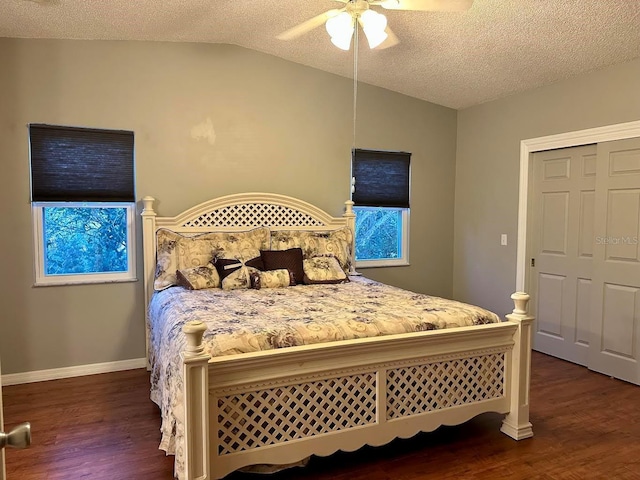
{"points": [[503, 239]]}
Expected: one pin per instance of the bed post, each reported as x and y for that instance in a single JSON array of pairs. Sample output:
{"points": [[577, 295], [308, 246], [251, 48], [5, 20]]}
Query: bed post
{"points": [[149, 261], [516, 423], [350, 215], [196, 403]]}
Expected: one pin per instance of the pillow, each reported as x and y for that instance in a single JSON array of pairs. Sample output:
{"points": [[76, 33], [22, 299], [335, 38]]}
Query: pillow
{"points": [[226, 266], [338, 243], [272, 279], [178, 252], [197, 278], [240, 278], [290, 259], [235, 273], [323, 270]]}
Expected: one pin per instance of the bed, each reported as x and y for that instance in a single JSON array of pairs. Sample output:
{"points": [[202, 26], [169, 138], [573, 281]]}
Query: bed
{"points": [[228, 403]]}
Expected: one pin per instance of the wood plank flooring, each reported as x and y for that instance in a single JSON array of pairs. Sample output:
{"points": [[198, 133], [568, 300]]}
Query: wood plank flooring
{"points": [[99, 427]]}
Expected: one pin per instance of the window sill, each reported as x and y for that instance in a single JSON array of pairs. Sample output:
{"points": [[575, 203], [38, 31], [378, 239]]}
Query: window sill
{"points": [[379, 264], [64, 283]]}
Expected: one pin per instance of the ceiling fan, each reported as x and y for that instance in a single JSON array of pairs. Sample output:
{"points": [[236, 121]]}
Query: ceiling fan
{"points": [[341, 22]]}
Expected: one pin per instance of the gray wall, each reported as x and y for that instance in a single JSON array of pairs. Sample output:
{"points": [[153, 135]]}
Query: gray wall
{"points": [[280, 127], [487, 169]]}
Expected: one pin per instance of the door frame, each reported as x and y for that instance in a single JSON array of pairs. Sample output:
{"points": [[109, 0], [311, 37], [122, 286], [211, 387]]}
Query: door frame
{"points": [[618, 131]]}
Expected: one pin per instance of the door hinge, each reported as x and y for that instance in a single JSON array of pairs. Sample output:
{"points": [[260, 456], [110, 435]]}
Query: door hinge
{"points": [[533, 262]]}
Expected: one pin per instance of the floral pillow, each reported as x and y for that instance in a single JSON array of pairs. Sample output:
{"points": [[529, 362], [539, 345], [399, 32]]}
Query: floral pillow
{"points": [[338, 243], [272, 279], [323, 270], [197, 278], [179, 252]]}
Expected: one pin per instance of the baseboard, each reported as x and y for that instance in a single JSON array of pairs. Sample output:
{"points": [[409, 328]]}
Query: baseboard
{"points": [[68, 372]]}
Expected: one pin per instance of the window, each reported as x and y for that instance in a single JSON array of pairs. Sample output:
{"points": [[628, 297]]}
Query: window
{"points": [[381, 195], [82, 199]]}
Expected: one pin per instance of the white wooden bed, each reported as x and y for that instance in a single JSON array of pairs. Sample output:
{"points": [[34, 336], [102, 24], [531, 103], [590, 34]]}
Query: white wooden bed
{"points": [[280, 406]]}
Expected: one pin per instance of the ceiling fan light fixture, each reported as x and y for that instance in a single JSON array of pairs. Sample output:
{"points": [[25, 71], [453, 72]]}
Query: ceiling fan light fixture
{"points": [[374, 25], [373, 20], [375, 38], [340, 26], [343, 42]]}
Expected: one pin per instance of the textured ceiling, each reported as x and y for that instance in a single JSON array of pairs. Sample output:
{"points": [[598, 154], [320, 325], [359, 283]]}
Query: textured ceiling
{"points": [[496, 48]]}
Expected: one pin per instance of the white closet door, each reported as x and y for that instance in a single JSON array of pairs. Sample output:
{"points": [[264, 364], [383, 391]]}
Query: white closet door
{"points": [[561, 245], [615, 306]]}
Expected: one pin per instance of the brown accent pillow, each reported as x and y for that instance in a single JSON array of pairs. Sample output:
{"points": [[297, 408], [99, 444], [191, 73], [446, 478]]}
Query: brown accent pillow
{"points": [[255, 263], [290, 259]]}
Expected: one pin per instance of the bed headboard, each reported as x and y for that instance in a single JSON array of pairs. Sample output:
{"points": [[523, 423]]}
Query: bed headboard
{"points": [[235, 213]]}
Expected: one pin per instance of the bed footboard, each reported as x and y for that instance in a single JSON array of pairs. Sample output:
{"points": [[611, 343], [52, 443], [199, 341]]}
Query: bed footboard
{"points": [[516, 424], [280, 406], [196, 403]]}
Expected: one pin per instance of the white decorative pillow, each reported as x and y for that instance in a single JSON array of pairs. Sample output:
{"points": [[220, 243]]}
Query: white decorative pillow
{"points": [[178, 252], [197, 278], [323, 270], [338, 243]]}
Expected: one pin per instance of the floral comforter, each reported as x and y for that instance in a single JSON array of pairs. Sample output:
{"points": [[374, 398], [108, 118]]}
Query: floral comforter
{"points": [[240, 321]]}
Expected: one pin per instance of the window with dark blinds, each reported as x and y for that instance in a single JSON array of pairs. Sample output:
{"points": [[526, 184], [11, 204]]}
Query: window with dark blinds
{"points": [[70, 164], [381, 178]]}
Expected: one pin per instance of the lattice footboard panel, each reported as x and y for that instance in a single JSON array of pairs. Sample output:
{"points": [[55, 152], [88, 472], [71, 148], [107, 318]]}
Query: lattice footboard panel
{"points": [[417, 389], [275, 415], [255, 215]]}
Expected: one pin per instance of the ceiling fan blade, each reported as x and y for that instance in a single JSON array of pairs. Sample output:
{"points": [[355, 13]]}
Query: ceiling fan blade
{"points": [[428, 5], [391, 40], [308, 25]]}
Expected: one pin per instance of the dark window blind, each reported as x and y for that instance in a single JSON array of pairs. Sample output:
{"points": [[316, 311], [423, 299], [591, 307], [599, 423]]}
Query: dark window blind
{"points": [[70, 164], [381, 178]]}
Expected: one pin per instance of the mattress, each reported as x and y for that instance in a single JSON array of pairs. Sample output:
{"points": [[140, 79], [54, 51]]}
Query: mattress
{"points": [[247, 320]]}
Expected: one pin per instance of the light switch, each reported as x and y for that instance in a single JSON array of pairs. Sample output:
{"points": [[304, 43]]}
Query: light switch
{"points": [[503, 239]]}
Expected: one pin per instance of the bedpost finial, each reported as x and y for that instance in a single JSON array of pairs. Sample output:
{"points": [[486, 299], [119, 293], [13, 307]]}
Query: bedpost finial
{"points": [[348, 211], [194, 330], [147, 204], [520, 300]]}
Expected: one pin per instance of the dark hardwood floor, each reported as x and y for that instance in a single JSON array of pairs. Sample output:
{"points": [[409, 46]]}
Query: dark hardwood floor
{"points": [[586, 426]]}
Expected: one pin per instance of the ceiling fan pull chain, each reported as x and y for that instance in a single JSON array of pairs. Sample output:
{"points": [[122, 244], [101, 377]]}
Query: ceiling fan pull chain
{"points": [[355, 83]]}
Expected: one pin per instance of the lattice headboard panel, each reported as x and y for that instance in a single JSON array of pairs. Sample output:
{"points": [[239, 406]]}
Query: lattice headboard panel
{"points": [[255, 215]]}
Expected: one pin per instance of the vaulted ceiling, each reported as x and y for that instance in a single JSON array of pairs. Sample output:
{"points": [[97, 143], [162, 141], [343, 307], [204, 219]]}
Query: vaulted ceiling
{"points": [[456, 59]]}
